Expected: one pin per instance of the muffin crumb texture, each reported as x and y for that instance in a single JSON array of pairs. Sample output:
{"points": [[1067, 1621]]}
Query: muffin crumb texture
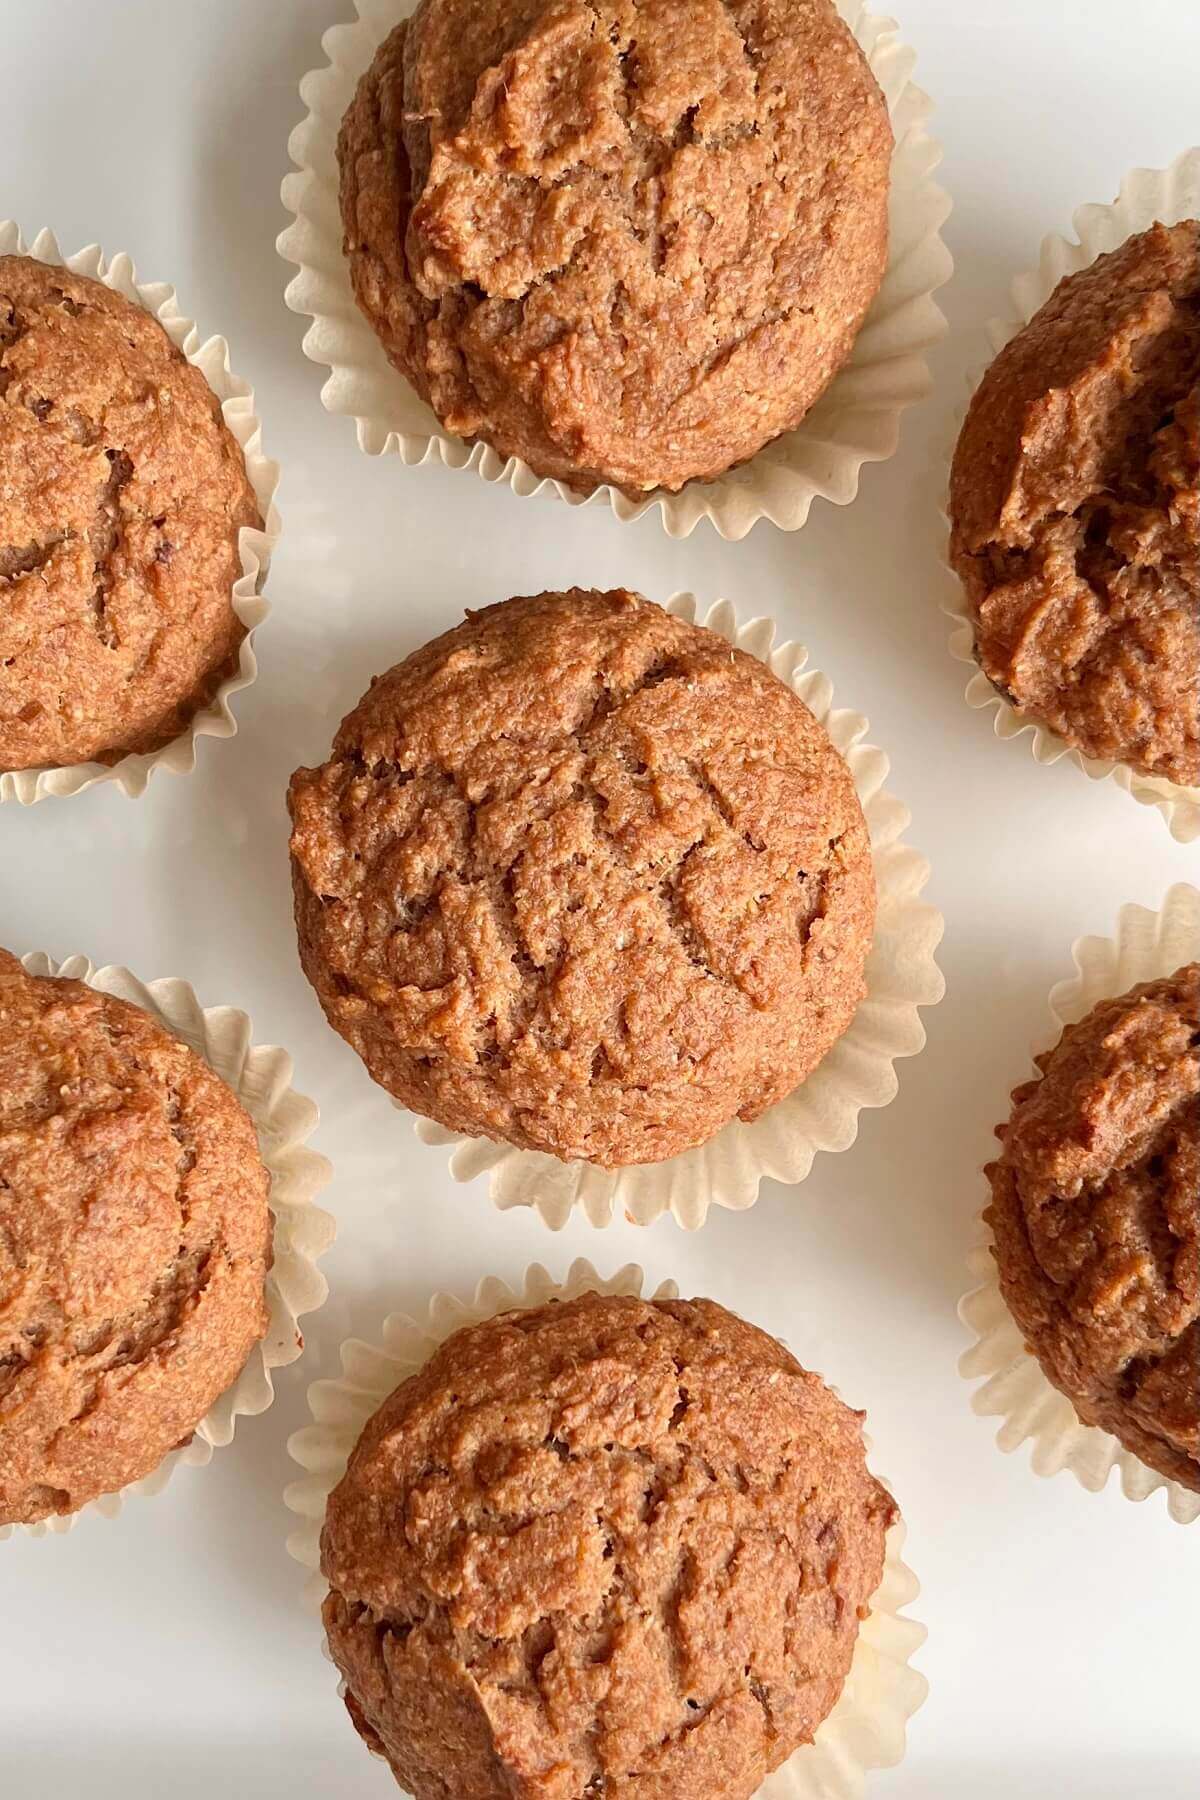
{"points": [[1075, 503], [607, 1547], [628, 241], [122, 495], [1096, 1218], [581, 877], [134, 1243]]}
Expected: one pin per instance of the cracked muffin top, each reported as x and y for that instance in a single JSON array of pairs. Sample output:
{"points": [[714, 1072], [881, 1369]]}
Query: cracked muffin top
{"points": [[629, 241], [122, 494], [134, 1243], [607, 1547], [1075, 506], [1096, 1218], [579, 876]]}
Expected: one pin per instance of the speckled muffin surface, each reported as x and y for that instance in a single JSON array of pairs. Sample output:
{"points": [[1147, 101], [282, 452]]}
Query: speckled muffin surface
{"points": [[628, 241], [1096, 1218], [134, 1243], [605, 1547], [1075, 508], [122, 495], [580, 877]]}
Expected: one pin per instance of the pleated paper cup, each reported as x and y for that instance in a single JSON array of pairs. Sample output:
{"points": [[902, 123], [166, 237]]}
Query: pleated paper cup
{"points": [[260, 1075], [1147, 195], [858, 1072], [856, 421], [1147, 946], [211, 357], [866, 1729]]}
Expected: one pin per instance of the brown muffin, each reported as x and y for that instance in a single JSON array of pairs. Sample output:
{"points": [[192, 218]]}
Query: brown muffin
{"points": [[122, 494], [134, 1243], [606, 1547], [1096, 1216], [1075, 504], [629, 241], [581, 877]]}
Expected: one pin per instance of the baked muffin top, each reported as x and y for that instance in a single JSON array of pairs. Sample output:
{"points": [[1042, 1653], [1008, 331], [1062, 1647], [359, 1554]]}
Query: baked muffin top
{"points": [[629, 241], [608, 1546], [122, 494], [1096, 1217], [1075, 503], [134, 1243], [579, 876]]}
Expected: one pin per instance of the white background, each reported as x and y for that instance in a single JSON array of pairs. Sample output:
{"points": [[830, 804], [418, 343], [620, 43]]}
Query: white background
{"points": [[167, 1653]]}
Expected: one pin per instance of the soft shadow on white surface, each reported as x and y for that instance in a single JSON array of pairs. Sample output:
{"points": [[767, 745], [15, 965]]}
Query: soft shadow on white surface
{"points": [[998, 1776], [137, 1769], [134, 1768]]}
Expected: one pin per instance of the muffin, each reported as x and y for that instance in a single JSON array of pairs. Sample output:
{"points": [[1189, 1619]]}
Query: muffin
{"points": [[1075, 509], [135, 1238], [604, 1547], [1096, 1224], [122, 496], [580, 877], [627, 243]]}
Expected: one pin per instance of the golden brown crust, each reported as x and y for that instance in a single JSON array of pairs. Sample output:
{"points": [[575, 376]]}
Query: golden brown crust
{"points": [[583, 878], [122, 495], [607, 1547], [625, 240], [1096, 1222], [134, 1242], [1075, 504]]}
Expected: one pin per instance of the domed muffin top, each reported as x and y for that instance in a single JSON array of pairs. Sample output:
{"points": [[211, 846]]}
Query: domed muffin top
{"points": [[1096, 1216], [626, 240], [122, 496], [1075, 504], [607, 1546], [580, 876], [134, 1243]]}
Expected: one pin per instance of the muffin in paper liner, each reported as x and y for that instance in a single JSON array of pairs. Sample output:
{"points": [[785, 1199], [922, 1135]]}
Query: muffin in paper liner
{"points": [[856, 421], [866, 1729], [858, 1071], [1169, 196], [1147, 946], [211, 357], [260, 1075]]}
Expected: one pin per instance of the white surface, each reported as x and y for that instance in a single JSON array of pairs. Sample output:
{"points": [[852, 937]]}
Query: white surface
{"points": [[167, 1652]]}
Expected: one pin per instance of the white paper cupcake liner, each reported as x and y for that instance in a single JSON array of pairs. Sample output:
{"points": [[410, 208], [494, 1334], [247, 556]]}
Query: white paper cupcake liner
{"points": [[1168, 195], [1147, 946], [859, 1070], [260, 1075], [866, 1729], [216, 719], [856, 421]]}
